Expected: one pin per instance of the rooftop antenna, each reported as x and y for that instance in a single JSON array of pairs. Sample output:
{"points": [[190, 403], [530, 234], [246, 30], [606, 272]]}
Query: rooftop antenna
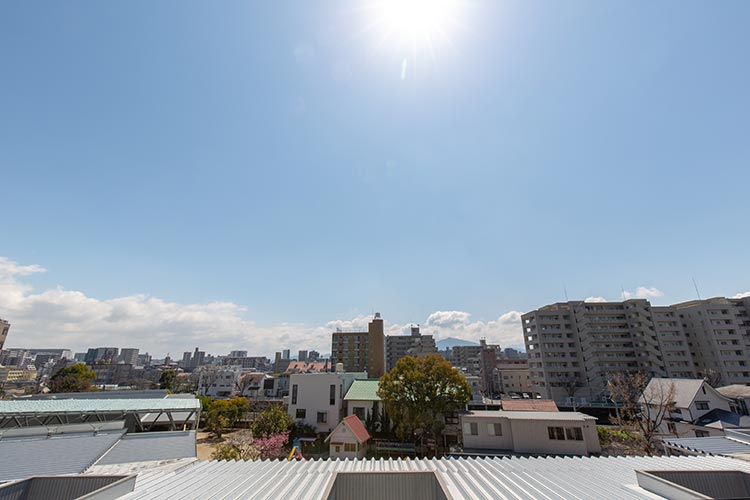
{"points": [[622, 292], [696, 289], [566, 294]]}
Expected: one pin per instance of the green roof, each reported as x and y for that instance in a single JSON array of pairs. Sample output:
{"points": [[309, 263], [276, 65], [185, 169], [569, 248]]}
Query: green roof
{"points": [[363, 390]]}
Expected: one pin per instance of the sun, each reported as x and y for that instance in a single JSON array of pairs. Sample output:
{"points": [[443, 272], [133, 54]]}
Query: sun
{"points": [[415, 24]]}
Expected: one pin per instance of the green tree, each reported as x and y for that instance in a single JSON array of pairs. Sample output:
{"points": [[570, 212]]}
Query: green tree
{"points": [[76, 378], [272, 420], [167, 379], [419, 392]]}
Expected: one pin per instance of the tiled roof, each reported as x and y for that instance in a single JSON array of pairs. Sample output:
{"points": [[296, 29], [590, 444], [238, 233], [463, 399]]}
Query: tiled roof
{"points": [[590, 478], [356, 426], [363, 390], [529, 405]]}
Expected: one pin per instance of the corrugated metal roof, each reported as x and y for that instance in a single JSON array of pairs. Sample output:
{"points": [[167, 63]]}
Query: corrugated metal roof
{"points": [[477, 479], [718, 445], [532, 415], [151, 446], [62, 454], [363, 390], [96, 405]]}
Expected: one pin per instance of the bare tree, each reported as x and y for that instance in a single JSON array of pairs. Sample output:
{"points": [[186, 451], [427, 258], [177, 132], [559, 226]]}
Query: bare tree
{"points": [[713, 377], [643, 406], [245, 382]]}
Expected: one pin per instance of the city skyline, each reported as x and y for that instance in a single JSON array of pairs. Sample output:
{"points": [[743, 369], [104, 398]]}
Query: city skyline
{"points": [[159, 326]]}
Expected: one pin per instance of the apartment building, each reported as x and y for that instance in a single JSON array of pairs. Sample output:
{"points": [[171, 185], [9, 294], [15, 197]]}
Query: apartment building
{"points": [[574, 347], [415, 344], [717, 333], [361, 351], [4, 329], [129, 356]]}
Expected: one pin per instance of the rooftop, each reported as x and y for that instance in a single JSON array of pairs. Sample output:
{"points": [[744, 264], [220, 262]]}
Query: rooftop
{"points": [[533, 415], [477, 479], [36, 407], [529, 405], [363, 390]]}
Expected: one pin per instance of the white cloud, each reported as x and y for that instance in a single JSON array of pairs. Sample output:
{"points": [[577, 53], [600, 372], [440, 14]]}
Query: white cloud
{"points": [[642, 292], [58, 317], [742, 295], [595, 299]]}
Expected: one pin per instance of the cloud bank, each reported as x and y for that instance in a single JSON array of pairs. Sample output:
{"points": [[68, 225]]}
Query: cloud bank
{"points": [[63, 318]]}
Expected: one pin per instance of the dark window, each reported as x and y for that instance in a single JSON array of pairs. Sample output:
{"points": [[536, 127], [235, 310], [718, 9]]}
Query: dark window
{"points": [[498, 429], [332, 397], [322, 417], [574, 433], [556, 433], [474, 429], [294, 394], [301, 413], [360, 412], [701, 405], [701, 434]]}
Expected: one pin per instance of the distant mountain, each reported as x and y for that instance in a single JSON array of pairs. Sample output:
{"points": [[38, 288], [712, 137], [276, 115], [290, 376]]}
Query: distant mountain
{"points": [[451, 342]]}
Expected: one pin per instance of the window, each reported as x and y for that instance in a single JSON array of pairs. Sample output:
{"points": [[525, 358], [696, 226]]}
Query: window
{"points": [[294, 394], [495, 429], [672, 428], [359, 411], [350, 447], [574, 433], [474, 429], [701, 434], [301, 413], [332, 396], [322, 417], [701, 405], [556, 433], [337, 447]]}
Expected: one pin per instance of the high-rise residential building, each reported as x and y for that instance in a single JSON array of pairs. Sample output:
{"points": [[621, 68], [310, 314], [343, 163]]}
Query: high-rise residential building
{"points": [[415, 344], [285, 354], [575, 347], [4, 329], [313, 356], [129, 356], [302, 356], [361, 350], [108, 354], [238, 354]]}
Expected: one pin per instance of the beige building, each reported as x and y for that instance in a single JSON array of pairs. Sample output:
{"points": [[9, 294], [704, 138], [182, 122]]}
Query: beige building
{"points": [[361, 351], [415, 344], [534, 432], [11, 374], [513, 376], [574, 347], [4, 329]]}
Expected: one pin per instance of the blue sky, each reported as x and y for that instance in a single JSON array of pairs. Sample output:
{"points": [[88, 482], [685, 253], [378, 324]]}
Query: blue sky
{"points": [[275, 157]]}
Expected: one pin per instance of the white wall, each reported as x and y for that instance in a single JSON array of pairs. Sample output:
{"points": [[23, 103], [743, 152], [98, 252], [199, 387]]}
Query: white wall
{"points": [[313, 396], [339, 439], [528, 436]]}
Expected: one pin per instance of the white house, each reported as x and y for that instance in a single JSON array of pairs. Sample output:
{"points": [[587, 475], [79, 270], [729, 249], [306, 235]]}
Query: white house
{"points": [[362, 398], [534, 432], [348, 439], [317, 399], [219, 383], [691, 399]]}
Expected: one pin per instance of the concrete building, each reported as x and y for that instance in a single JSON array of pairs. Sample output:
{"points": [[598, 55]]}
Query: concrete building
{"points": [[317, 399], [219, 383], [192, 361], [129, 356], [538, 432], [4, 329], [258, 363], [238, 354], [13, 375], [361, 351], [96, 354], [415, 344], [574, 346], [111, 373], [513, 376], [302, 356], [349, 439]]}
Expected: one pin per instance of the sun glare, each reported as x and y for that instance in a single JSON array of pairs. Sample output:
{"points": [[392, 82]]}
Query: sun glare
{"points": [[415, 25]]}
